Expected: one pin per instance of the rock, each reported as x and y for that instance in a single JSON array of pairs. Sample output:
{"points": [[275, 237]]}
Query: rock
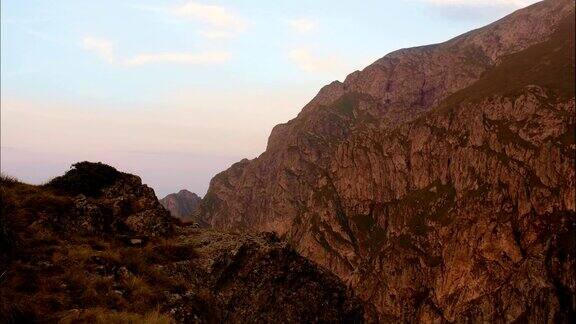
{"points": [[123, 273], [255, 278], [135, 241], [182, 205], [45, 264], [173, 298], [125, 206]]}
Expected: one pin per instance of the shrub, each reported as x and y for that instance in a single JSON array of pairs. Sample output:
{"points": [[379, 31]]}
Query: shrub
{"points": [[6, 180], [85, 178]]}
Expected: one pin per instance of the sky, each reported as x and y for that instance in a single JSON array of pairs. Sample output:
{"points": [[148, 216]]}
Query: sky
{"points": [[177, 91]]}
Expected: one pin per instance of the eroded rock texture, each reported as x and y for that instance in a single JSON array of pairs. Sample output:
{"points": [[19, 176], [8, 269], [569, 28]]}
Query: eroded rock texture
{"points": [[123, 206], [439, 182], [182, 205]]}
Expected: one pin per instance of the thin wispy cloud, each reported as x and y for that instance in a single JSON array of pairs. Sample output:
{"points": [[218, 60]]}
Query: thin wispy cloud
{"points": [[303, 25], [308, 61], [218, 21], [105, 49], [482, 3], [23, 21], [102, 47], [208, 57], [470, 10], [215, 34], [216, 16]]}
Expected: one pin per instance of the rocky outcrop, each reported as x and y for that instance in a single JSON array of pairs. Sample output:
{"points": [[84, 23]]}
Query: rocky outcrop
{"points": [[127, 206], [182, 205], [105, 201], [102, 249], [439, 182], [260, 279]]}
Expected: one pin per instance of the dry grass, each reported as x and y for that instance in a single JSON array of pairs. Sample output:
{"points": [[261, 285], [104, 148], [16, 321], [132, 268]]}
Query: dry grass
{"points": [[77, 276], [141, 262], [51, 271], [103, 316], [139, 292]]}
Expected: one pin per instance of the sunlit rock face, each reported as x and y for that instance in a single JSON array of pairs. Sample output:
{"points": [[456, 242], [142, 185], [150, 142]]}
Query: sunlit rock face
{"points": [[439, 182]]}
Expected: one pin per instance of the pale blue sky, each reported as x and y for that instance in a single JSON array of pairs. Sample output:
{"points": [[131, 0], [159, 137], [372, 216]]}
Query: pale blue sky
{"points": [[176, 91]]}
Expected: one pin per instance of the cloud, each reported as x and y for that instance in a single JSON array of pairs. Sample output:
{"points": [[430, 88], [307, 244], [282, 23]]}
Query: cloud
{"points": [[218, 21], [303, 25], [105, 49], [215, 34], [482, 3], [102, 47], [479, 10], [215, 16], [181, 58], [309, 62]]}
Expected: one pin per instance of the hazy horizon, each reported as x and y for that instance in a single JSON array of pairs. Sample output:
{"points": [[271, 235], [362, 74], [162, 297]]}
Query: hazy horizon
{"points": [[176, 92]]}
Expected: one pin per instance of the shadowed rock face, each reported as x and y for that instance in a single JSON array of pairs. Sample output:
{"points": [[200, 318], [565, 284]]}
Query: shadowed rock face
{"points": [[117, 256], [439, 182], [261, 279], [98, 199], [183, 205]]}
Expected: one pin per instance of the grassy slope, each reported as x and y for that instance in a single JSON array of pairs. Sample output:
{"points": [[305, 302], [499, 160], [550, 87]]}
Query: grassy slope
{"points": [[46, 272]]}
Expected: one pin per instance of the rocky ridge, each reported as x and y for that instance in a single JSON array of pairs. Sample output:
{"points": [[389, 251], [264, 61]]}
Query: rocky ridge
{"points": [[438, 182]]}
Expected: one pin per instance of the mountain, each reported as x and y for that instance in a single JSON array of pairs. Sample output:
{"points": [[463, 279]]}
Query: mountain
{"points": [[438, 182], [182, 205], [96, 246]]}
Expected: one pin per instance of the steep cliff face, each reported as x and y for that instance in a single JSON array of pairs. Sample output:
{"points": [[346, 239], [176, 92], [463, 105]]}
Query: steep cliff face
{"points": [[439, 181], [95, 246], [183, 205]]}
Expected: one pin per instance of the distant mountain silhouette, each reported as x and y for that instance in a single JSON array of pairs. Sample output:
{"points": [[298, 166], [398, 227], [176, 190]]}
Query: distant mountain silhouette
{"points": [[183, 205]]}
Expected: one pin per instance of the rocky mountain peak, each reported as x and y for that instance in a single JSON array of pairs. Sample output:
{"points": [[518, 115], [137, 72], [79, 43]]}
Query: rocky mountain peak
{"points": [[439, 181], [182, 205]]}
